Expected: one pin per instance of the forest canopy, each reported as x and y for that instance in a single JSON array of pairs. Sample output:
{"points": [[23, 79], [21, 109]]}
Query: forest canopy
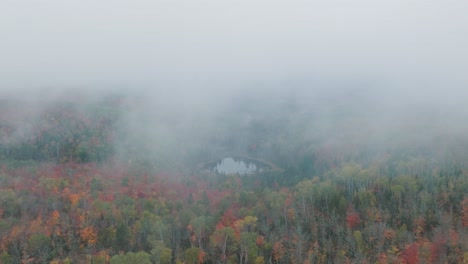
{"points": [[338, 198]]}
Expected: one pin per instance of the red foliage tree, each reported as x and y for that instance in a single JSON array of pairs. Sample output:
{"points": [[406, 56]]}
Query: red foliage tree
{"points": [[353, 220], [464, 216], [278, 251], [437, 247], [410, 255]]}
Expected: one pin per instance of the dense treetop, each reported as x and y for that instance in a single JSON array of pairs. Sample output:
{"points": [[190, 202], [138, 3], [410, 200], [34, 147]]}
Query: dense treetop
{"points": [[75, 187]]}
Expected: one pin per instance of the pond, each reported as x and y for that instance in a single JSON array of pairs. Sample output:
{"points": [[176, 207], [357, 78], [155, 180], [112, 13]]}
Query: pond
{"points": [[239, 165]]}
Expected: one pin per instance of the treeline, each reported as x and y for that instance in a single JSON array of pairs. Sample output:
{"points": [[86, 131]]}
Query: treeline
{"points": [[413, 211]]}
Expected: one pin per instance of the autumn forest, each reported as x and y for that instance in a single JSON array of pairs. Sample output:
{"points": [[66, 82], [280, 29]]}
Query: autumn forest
{"points": [[78, 184]]}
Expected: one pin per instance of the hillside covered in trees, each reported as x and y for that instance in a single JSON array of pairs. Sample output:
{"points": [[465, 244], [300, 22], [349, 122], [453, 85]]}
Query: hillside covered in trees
{"points": [[78, 186], [117, 117]]}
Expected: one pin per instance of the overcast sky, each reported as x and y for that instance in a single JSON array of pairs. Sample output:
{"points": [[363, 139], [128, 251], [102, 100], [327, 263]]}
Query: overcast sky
{"points": [[166, 44]]}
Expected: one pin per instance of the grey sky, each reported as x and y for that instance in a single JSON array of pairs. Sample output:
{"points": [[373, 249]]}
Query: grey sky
{"points": [[195, 44]]}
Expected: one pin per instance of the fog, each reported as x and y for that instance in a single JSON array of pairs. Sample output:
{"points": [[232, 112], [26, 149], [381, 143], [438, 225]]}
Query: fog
{"points": [[153, 44], [210, 78]]}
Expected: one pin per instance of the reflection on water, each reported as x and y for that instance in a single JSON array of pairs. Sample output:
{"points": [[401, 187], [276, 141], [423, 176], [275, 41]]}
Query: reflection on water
{"points": [[235, 166], [240, 165]]}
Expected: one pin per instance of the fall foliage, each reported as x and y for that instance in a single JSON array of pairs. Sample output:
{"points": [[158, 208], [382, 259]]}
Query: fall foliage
{"points": [[69, 201]]}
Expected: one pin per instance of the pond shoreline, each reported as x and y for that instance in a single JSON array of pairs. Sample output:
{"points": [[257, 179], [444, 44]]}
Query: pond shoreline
{"points": [[263, 163]]}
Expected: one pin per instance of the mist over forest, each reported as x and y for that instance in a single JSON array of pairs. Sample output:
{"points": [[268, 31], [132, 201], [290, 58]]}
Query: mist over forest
{"points": [[349, 118], [206, 74], [176, 131]]}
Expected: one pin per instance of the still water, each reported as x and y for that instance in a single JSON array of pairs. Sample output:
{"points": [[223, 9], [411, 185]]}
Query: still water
{"points": [[236, 166]]}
